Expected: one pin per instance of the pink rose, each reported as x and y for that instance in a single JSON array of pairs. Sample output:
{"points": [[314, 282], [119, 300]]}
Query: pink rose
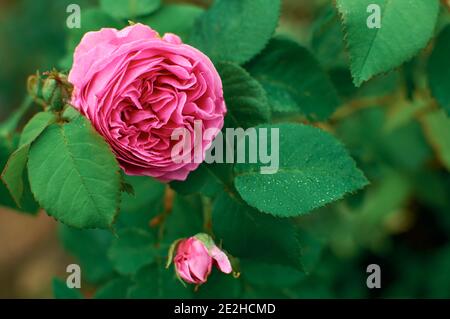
{"points": [[193, 260], [137, 88]]}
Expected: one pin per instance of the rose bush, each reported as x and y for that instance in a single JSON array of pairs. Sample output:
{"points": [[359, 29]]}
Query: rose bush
{"points": [[137, 88], [363, 154]]}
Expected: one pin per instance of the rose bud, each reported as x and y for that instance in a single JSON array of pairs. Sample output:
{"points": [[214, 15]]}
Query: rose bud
{"points": [[138, 89], [195, 256]]}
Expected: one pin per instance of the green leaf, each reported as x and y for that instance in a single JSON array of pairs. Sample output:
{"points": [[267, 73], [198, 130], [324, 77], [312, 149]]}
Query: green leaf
{"points": [[137, 210], [401, 145], [61, 291], [174, 18], [437, 130], [133, 249], [236, 30], [5, 195], [75, 176], [208, 179], [400, 37], [129, 9], [156, 282], [247, 233], [12, 174], [327, 40], [246, 100], [438, 70], [35, 127], [271, 275], [89, 246], [115, 289], [185, 219], [294, 81], [314, 170], [220, 286]]}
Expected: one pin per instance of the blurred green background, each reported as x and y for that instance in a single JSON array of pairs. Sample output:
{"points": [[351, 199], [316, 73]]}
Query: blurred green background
{"points": [[400, 222]]}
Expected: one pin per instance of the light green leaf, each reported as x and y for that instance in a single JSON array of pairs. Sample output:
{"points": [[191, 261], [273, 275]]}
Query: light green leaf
{"points": [[246, 100], [129, 9], [174, 18], [29, 205], [314, 170], [75, 176], [133, 249], [12, 174], [89, 246], [439, 70], [437, 130], [35, 127], [5, 152], [294, 81], [236, 30], [400, 37], [247, 233]]}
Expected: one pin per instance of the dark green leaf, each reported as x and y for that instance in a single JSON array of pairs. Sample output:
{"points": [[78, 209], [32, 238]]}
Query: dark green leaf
{"points": [[208, 179], [61, 291], [236, 30], [246, 233], [174, 18], [89, 247], [272, 275], [437, 128], [157, 282], [115, 289], [220, 286], [185, 219], [137, 210], [246, 100], [294, 81], [314, 170], [129, 9], [133, 249], [439, 70]]}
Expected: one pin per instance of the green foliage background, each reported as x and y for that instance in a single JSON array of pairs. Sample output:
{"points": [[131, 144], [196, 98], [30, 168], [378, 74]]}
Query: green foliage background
{"points": [[385, 101]]}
